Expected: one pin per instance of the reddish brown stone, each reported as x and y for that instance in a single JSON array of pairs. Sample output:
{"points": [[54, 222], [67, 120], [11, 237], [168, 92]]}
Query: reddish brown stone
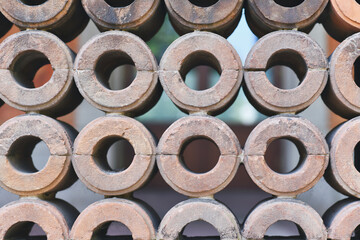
{"points": [[112, 48], [92, 142], [208, 210], [201, 48], [17, 141], [267, 213], [311, 145], [295, 50], [182, 132], [221, 18], [135, 216]]}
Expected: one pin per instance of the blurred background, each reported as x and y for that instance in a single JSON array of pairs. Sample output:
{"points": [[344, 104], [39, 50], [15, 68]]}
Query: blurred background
{"points": [[241, 195]]}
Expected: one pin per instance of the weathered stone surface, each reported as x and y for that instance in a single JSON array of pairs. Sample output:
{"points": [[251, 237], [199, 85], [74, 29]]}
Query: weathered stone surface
{"points": [[92, 142], [118, 47], [267, 16], [221, 17], [269, 212], [208, 210], [183, 131], [201, 48], [141, 17], [295, 50], [134, 215], [18, 137], [65, 18], [341, 94], [311, 145], [21, 55]]}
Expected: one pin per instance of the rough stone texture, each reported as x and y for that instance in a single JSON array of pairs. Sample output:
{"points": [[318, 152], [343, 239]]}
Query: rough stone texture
{"points": [[208, 210], [135, 216], [311, 145], [65, 18], [341, 94], [54, 217], [182, 132], [17, 173], [342, 219], [342, 19], [91, 144], [342, 174], [295, 50], [221, 18], [21, 55], [142, 17], [144, 91], [267, 16], [201, 48], [269, 212]]}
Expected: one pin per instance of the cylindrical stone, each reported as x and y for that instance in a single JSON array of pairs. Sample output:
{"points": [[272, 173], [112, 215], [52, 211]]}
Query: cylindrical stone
{"points": [[269, 212], [295, 50], [90, 150], [65, 18], [18, 137], [135, 216], [342, 174], [21, 55], [190, 51], [221, 17], [100, 56], [141, 17], [312, 147], [208, 210], [271, 15], [55, 217], [341, 92], [342, 18], [181, 133]]}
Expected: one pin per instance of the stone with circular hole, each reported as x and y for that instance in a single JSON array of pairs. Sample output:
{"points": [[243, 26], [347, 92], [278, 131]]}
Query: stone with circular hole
{"points": [[55, 217], [208, 210], [100, 55], [137, 217], [342, 219], [267, 16], [342, 19], [269, 212], [341, 93], [342, 173], [18, 137], [89, 148], [141, 17], [65, 18], [192, 50], [310, 143], [21, 55], [182, 132], [295, 50], [188, 15]]}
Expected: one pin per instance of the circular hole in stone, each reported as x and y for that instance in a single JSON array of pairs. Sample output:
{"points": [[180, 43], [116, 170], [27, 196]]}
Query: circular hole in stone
{"points": [[284, 228], [357, 156], [33, 2], [199, 228], [112, 230], [289, 3], [119, 3], [286, 69], [285, 155], [200, 70], [358, 1], [115, 70], [356, 71], [28, 154], [204, 3], [356, 233], [25, 230], [114, 154], [200, 155], [31, 69]]}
